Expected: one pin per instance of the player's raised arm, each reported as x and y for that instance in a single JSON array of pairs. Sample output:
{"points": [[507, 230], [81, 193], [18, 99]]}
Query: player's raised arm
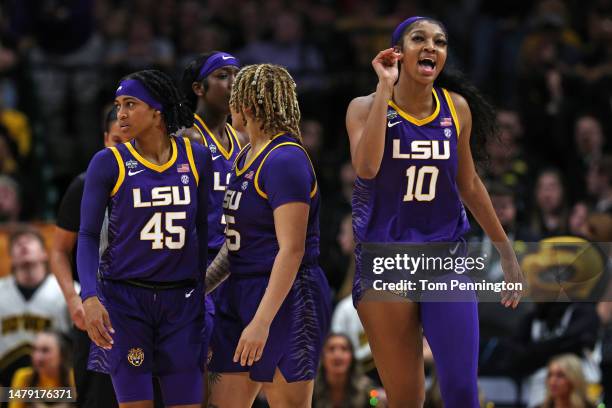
{"points": [[366, 117]]}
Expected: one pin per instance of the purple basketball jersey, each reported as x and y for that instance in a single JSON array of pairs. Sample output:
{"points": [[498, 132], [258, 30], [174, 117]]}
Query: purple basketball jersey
{"points": [[158, 241], [414, 196], [280, 173], [222, 161]]}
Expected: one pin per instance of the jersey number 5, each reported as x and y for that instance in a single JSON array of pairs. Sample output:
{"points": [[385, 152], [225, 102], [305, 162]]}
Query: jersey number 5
{"points": [[152, 231], [416, 192]]}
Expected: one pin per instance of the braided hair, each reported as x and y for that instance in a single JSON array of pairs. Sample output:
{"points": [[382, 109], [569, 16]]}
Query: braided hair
{"points": [[269, 91], [176, 112], [484, 124], [190, 75]]}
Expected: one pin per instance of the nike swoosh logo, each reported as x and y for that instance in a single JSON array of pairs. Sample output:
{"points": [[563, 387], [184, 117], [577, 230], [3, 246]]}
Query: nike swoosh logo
{"points": [[394, 123], [452, 251], [226, 57], [133, 173], [188, 294], [216, 157]]}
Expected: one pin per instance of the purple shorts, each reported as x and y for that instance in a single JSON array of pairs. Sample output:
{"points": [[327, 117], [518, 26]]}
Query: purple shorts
{"points": [[157, 333], [296, 334]]}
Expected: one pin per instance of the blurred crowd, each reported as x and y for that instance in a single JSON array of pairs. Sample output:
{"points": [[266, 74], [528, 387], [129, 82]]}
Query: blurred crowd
{"points": [[545, 64]]}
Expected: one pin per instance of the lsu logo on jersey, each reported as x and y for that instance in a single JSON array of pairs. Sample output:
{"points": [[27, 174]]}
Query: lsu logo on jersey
{"points": [[423, 150], [136, 356], [231, 200], [161, 196]]}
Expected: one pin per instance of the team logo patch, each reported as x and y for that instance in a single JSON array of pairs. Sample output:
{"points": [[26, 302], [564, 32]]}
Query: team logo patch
{"points": [[391, 114], [244, 185], [136, 356], [249, 175], [182, 168], [213, 148], [131, 164], [448, 132], [446, 122], [185, 179]]}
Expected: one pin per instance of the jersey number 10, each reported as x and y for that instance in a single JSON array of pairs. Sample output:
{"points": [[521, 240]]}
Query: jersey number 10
{"points": [[416, 191], [152, 231]]}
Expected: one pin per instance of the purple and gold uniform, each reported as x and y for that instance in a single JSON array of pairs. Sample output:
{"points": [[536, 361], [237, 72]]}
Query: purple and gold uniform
{"points": [[222, 161], [280, 173], [415, 198], [150, 275]]}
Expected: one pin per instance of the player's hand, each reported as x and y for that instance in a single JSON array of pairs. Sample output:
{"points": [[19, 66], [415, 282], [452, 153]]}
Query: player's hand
{"points": [[251, 344], [98, 323], [512, 274], [385, 66], [77, 313]]}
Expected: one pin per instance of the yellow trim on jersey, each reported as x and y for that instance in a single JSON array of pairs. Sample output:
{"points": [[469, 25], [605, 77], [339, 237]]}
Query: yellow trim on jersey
{"points": [[121, 176], [264, 195], [200, 132], [235, 134], [451, 105], [247, 165], [412, 119], [224, 152], [156, 167], [191, 161]]}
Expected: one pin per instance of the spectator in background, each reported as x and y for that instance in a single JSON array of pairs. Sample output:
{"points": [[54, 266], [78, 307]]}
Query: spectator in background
{"points": [[599, 183], [51, 368], [64, 54], [566, 386], [339, 383], [289, 49], [588, 148], [142, 49], [32, 301], [507, 164], [577, 222], [550, 215], [10, 205]]}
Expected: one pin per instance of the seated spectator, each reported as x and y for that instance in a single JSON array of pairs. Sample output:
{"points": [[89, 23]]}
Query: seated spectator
{"points": [[588, 148], [32, 301], [550, 213], [599, 183], [339, 383], [51, 368], [577, 221], [565, 384]]}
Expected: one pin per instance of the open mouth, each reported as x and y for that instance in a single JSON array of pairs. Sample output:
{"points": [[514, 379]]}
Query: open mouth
{"points": [[427, 65]]}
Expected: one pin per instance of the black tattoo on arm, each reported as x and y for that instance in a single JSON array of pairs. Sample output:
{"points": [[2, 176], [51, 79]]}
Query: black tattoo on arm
{"points": [[218, 270]]}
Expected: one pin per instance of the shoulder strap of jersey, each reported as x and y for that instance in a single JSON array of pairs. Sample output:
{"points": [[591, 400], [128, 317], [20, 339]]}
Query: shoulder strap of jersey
{"points": [[121, 176], [199, 125], [192, 165], [233, 132], [451, 106], [260, 191]]}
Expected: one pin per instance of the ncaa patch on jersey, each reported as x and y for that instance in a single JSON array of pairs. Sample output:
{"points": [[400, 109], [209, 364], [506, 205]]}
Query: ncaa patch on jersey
{"points": [[391, 114], [131, 164], [212, 148]]}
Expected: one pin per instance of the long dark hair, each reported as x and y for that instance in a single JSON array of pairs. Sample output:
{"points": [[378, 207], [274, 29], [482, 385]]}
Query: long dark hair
{"points": [[65, 368], [176, 113], [190, 75], [354, 394], [484, 123]]}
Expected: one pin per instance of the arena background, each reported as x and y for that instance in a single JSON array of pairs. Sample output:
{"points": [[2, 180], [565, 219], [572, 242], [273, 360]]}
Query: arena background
{"points": [[546, 65]]}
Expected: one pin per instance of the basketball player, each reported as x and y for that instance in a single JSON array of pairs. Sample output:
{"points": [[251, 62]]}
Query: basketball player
{"points": [[93, 389], [390, 204], [145, 313], [270, 327], [207, 82]]}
